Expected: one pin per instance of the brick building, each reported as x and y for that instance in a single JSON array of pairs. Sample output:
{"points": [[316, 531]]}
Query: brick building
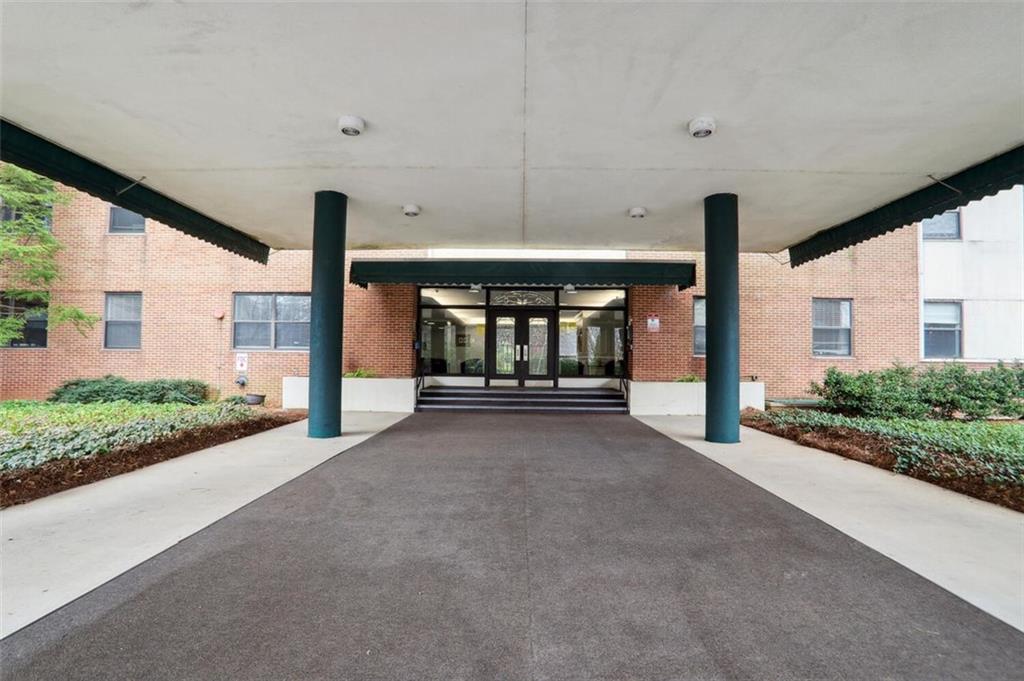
{"points": [[173, 306]]}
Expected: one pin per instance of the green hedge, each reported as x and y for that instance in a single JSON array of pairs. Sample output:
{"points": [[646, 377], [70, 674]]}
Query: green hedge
{"points": [[32, 433], [936, 449], [114, 389], [947, 392]]}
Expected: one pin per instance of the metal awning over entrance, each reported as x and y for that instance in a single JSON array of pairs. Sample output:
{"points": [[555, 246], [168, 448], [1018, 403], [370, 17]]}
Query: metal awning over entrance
{"points": [[523, 272]]}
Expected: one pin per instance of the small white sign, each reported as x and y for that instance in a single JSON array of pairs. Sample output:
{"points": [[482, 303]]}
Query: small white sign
{"points": [[241, 361], [653, 323]]}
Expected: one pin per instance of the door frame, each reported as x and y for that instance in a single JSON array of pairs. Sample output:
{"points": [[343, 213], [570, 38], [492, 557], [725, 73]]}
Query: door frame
{"points": [[522, 316]]}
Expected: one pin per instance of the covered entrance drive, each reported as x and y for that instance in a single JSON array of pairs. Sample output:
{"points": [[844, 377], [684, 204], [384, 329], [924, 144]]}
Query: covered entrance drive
{"points": [[518, 547]]}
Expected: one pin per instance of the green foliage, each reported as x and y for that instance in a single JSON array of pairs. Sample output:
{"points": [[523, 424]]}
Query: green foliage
{"points": [[950, 391], [934, 449], [32, 433], [689, 378], [114, 388], [361, 373], [28, 252]]}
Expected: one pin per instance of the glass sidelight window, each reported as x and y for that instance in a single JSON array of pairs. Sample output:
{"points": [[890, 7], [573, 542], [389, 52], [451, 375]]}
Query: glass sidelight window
{"points": [[591, 342], [452, 341], [700, 329]]}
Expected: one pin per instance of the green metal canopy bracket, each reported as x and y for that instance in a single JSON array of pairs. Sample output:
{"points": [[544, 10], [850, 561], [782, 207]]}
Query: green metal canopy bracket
{"points": [[29, 151], [523, 272], [978, 181]]}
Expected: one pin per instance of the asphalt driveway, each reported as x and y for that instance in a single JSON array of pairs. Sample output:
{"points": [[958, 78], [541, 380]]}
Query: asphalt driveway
{"points": [[500, 546]]}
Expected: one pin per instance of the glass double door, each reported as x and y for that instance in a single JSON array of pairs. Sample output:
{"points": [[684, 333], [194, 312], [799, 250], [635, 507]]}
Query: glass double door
{"points": [[521, 344]]}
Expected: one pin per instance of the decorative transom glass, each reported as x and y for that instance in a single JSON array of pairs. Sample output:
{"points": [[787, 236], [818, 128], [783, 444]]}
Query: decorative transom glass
{"points": [[522, 298]]}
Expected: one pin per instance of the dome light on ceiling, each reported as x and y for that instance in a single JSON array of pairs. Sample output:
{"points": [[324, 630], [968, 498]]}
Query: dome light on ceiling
{"points": [[638, 212], [351, 126], [702, 126]]}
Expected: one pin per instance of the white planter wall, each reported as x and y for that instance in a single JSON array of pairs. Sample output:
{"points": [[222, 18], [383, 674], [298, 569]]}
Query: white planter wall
{"points": [[655, 398], [357, 394]]}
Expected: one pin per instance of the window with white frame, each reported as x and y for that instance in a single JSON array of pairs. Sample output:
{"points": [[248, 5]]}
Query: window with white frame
{"points": [[34, 314], [278, 321], [700, 337], [832, 327], [942, 227], [122, 321], [124, 221], [943, 329]]}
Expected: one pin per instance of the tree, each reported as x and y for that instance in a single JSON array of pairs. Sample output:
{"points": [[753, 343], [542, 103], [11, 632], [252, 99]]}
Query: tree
{"points": [[28, 254]]}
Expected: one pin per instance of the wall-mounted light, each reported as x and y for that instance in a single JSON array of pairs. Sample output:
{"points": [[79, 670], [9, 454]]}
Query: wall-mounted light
{"points": [[569, 288], [476, 288]]}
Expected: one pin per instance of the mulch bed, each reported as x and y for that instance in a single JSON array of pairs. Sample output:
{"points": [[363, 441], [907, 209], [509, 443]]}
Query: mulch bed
{"points": [[26, 484], [873, 450]]}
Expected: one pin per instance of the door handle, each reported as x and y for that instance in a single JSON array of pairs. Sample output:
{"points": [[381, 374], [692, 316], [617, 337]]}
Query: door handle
{"points": [[519, 353]]}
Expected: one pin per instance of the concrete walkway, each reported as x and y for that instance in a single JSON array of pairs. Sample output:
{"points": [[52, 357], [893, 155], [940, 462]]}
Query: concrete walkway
{"points": [[57, 548], [518, 547], [972, 548]]}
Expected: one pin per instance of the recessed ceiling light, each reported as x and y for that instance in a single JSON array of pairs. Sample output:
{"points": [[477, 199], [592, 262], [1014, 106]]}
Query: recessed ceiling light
{"points": [[352, 126], [702, 126], [410, 210], [638, 212]]}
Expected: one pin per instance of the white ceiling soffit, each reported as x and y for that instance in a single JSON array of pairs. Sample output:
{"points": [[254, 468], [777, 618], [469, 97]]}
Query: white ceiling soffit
{"points": [[517, 125]]}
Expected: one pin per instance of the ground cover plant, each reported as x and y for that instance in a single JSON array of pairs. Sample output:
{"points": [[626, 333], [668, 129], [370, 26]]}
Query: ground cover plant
{"points": [[46, 447], [983, 459]]}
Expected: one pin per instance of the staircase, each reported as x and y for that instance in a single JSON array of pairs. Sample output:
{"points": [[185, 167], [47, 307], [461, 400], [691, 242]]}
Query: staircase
{"points": [[532, 400]]}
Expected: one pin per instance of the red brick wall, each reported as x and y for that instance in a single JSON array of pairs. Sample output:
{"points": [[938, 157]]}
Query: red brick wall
{"points": [[880, 276], [185, 283]]}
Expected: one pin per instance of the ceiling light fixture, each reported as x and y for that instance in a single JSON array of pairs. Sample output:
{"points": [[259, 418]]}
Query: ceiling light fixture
{"points": [[410, 210], [475, 288], [569, 288], [702, 126], [351, 126], [638, 212]]}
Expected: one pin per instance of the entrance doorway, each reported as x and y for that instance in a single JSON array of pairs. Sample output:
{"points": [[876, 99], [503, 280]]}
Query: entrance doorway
{"points": [[521, 344]]}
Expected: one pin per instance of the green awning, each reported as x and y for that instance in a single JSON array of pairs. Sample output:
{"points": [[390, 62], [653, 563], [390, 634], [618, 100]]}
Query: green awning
{"points": [[31, 152], [981, 180], [523, 272]]}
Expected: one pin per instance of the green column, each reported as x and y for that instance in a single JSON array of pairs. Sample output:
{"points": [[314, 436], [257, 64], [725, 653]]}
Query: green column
{"points": [[722, 309], [327, 302]]}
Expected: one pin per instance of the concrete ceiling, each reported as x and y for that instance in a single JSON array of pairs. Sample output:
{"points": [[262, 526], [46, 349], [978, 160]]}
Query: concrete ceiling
{"points": [[522, 124]]}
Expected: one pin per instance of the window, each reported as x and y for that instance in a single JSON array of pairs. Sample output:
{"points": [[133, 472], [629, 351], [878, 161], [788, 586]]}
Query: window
{"points": [[831, 326], [700, 329], [124, 221], [942, 227], [943, 330], [593, 297], [271, 320], [122, 321], [591, 342], [452, 341], [451, 297], [8, 214], [33, 334]]}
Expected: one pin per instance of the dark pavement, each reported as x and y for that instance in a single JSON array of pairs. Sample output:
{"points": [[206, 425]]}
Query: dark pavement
{"points": [[515, 546]]}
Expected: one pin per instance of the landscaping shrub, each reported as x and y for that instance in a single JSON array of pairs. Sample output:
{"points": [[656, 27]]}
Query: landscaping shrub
{"points": [[114, 388], [950, 391], [689, 378], [360, 373], [935, 449], [32, 433]]}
